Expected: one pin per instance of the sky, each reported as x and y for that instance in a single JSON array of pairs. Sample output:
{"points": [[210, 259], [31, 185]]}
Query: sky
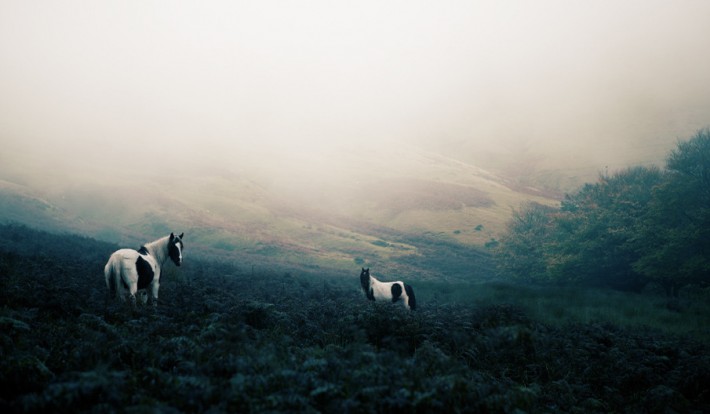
{"points": [[120, 81]]}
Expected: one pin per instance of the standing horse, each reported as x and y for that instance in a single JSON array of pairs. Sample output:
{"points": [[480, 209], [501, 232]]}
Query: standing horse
{"points": [[392, 291], [129, 271]]}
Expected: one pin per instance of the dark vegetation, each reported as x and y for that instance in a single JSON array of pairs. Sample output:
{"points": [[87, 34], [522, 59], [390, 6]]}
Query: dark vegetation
{"points": [[224, 341], [638, 227], [447, 259]]}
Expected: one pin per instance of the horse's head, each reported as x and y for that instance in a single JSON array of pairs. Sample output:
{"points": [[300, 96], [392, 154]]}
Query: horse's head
{"points": [[175, 247], [365, 278]]}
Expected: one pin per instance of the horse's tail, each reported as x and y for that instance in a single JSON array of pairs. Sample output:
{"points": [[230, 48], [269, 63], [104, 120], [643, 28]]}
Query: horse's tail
{"points": [[411, 300], [112, 274]]}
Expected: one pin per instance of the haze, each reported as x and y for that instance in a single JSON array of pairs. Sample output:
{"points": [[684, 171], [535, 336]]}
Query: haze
{"points": [[134, 84]]}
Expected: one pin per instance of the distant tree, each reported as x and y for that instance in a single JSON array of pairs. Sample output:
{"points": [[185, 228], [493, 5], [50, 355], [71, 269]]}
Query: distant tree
{"points": [[674, 242], [521, 251]]}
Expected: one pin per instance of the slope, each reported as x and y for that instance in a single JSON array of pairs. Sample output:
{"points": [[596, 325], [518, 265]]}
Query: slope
{"points": [[400, 209]]}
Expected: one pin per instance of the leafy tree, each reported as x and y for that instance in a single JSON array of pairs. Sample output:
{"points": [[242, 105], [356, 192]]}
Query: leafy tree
{"points": [[674, 241], [627, 229], [597, 228], [521, 252], [589, 240]]}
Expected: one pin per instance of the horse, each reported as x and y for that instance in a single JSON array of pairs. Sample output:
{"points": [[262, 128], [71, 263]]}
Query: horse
{"points": [[392, 291], [129, 271]]}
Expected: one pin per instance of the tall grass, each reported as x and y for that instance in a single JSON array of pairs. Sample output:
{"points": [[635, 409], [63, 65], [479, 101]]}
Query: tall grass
{"points": [[689, 315]]}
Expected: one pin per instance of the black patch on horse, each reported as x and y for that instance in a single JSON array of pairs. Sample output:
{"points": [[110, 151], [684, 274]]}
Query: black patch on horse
{"points": [[143, 251], [410, 293], [145, 273], [396, 292]]}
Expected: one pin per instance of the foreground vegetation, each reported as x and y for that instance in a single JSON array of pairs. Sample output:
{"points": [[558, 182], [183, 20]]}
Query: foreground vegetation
{"points": [[223, 340]]}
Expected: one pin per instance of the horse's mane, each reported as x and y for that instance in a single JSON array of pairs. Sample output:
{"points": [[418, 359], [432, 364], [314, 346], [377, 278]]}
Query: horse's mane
{"points": [[156, 248], [365, 280], [161, 240]]}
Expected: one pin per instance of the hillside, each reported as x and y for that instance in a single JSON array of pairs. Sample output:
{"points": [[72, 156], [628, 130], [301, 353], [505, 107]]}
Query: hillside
{"points": [[401, 210]]}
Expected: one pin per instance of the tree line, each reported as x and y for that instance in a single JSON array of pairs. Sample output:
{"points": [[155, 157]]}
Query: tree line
{"points": [[638, 226]]}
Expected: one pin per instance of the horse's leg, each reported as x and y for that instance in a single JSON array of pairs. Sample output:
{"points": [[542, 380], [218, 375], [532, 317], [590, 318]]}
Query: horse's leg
{"points": [[132, 290], [154, 287], [154, 290], [128, 284]]}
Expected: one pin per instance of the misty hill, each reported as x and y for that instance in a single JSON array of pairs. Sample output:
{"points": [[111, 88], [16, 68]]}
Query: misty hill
{"points": [[401, 210]]}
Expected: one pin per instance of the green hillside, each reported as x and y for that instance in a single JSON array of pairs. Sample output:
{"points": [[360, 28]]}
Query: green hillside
{"points": [[400, 210]]}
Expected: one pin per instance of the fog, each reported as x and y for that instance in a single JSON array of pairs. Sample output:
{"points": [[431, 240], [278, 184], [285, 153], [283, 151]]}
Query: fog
{"points": [[134, 84]]}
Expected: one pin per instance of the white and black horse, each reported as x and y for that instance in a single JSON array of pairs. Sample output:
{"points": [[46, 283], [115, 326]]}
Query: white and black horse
{"points": [[389, 291], [129, 271]]}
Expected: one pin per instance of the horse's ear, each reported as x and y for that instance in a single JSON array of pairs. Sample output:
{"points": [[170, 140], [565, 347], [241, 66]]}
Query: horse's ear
{"points": [[181, 234], [172, 236]]}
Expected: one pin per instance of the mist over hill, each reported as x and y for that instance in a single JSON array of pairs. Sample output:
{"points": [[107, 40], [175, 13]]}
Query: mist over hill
{"points": [[392, 134], [399, 209]]}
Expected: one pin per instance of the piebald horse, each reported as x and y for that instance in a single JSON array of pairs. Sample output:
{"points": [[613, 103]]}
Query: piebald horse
{"points": [[129, 271], [389, 291]]}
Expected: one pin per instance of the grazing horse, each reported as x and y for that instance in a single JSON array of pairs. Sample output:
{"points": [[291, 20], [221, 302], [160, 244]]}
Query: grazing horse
{"points": [[392, 291], [129, 271]]}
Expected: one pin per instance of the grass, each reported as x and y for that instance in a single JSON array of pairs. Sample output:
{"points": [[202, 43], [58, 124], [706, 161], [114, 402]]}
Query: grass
{"points": [[688, 315], [231, 339]]}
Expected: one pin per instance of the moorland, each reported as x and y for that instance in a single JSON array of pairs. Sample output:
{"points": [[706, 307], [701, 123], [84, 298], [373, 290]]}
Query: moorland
{"points": [[226, 338]]}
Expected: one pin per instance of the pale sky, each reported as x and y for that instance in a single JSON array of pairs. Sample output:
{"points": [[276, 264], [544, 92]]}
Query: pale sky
{"points": [[191, 79]]}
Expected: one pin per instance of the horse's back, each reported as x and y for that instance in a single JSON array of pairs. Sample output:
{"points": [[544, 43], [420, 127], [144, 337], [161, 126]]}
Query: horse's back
{"points": [[124, 254], [382, 290]]}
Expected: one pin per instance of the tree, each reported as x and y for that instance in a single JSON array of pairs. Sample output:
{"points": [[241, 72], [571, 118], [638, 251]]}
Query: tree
{"points": [[589, 240], [636, 226], [674, 242], [521, 252], [598, 226]]}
